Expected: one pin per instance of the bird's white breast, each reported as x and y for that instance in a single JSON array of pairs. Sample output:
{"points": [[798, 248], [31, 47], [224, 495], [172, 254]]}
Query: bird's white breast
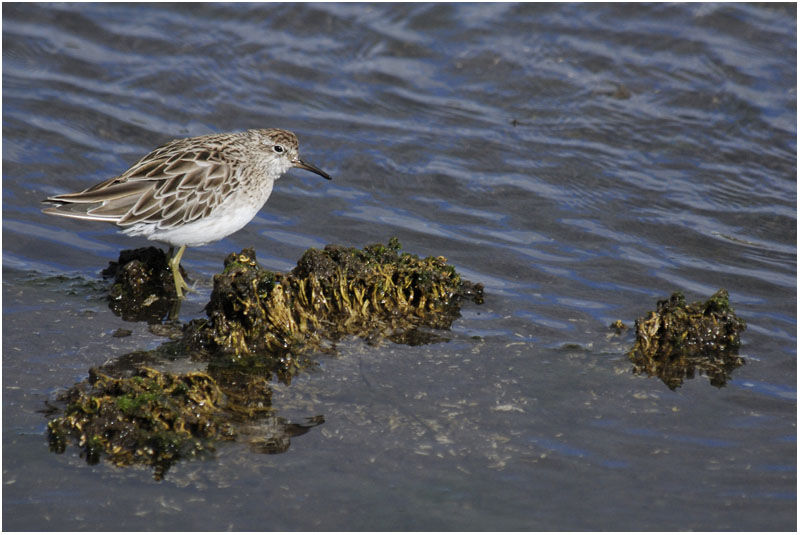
{"points": [[231, 215]]}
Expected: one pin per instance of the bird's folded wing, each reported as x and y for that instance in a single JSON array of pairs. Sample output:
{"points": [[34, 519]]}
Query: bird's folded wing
{"points": [[168, 190]]}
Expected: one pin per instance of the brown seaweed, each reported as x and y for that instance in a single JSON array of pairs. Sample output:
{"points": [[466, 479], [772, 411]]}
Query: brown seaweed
{"points": [[677, 340]]}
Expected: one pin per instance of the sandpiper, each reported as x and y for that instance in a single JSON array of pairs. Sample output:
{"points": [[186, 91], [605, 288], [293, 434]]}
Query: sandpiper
{"points": [[191, 191]]}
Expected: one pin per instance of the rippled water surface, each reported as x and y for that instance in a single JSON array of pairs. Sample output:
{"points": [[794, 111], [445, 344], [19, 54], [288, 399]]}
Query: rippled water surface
{"points": [[581, 161]]}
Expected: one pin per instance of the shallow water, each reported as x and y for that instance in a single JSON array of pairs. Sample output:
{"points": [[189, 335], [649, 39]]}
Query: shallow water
{"points": [[581, 161]]}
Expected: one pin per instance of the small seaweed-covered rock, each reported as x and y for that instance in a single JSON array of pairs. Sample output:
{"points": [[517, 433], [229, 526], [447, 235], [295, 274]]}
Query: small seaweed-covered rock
{"points": [[149, 418], [676, 339], [153, 418], [143, 288]]}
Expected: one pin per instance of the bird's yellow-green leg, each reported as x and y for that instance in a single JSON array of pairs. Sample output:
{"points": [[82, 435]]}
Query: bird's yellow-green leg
{"points": [[175, 265]]}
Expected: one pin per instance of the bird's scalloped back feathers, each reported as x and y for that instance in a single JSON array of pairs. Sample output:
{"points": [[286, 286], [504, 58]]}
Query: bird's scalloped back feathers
{"points": [[169, 180]]}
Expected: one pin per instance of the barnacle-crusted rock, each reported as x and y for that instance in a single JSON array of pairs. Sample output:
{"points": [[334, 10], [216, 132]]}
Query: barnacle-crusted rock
{"points": [[676, 339]]}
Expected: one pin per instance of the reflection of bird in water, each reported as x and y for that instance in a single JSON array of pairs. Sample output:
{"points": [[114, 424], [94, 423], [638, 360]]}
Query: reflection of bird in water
{"points": [[279, 432]]}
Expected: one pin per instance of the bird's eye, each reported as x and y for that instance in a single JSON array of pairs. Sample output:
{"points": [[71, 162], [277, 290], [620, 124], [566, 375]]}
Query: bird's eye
{"points": [[278, 149]]}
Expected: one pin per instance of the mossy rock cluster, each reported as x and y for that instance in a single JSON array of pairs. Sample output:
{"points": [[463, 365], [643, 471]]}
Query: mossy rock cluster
{"points": [[151, 418], [260, 325], [678, 339], [376, 292]]}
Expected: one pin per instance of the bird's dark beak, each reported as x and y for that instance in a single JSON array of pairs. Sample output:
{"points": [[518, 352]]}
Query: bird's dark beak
{"points": [[308, 167]]}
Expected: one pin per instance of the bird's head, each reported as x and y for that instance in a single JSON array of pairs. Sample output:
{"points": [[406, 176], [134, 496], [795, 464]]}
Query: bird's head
{"points": [[280, 148]]}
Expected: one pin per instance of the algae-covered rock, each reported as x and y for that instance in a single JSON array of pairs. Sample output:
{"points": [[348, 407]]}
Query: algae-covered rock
{"points": [[143, 288], [676, 339], [150, 418], [156, 418], [372, 292]]}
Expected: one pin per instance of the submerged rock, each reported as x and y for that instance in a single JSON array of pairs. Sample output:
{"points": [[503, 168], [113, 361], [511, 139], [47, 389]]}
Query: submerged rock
{"points": [[676, 339], [618, 326]]}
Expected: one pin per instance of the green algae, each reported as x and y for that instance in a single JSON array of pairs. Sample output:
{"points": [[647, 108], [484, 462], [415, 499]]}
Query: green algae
{"points": [[677, 340]]}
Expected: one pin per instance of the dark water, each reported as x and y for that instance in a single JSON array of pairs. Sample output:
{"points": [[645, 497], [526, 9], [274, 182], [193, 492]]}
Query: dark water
{"points": [[582, 161]]}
